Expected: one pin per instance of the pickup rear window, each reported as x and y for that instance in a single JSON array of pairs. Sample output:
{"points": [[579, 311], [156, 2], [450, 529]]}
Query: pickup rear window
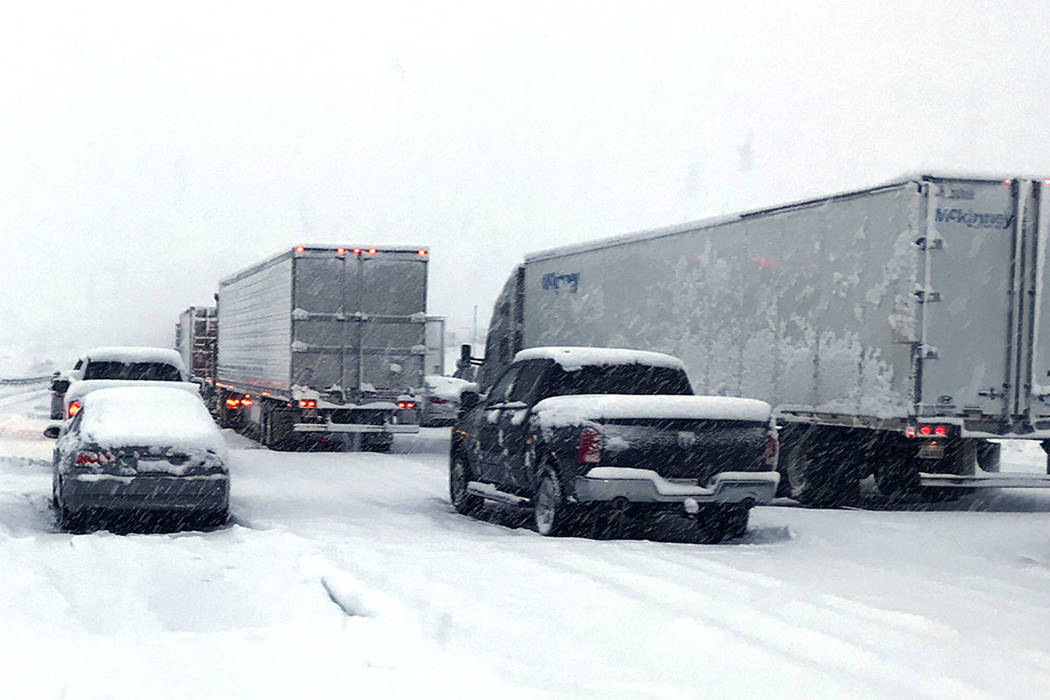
{"points": [[141, 371], [618, 379]]}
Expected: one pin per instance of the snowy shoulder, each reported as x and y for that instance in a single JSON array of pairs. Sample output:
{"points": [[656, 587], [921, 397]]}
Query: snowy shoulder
{"points": [[573, 410], [572, 357]]}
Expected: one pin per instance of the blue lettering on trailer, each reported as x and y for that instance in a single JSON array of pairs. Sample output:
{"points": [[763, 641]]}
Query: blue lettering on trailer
{"points": [[974, 219], [556, 282]]}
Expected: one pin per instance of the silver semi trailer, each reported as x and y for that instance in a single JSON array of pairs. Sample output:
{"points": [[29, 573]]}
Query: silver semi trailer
{"points": [[896, 329], [195, 334], [324, 345]]}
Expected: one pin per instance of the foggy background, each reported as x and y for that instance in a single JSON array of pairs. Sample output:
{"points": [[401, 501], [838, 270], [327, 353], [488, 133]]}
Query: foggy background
{"points": [[147, 152]]}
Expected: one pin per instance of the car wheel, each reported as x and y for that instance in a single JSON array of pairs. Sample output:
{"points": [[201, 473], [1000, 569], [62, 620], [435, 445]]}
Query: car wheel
{"points": [[462, 500], [551, 514]]}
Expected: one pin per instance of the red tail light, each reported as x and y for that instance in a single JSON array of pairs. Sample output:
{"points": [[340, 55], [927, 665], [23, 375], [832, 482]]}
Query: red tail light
{"points": [[232, 403], [307, 403], [436, 399], [406, 404], [590, 448], [246, 402], [73, 408], [87, 459], [769, 456]]}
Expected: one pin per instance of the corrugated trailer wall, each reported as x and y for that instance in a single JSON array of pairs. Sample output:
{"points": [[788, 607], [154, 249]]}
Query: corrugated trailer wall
{"points": [[812, 304], [255, 328]]}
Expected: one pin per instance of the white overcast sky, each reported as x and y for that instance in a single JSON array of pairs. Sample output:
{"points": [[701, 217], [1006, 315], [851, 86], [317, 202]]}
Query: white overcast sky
{"points": [[148, 150]]}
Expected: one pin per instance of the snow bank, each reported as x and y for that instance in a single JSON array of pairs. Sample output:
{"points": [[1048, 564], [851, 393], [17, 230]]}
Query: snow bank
{"points": [[571, 358], [573, 410], [147, 416]]}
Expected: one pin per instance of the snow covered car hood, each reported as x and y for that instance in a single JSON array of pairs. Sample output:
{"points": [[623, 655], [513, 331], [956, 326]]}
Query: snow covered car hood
{"points": [[573, 410]]}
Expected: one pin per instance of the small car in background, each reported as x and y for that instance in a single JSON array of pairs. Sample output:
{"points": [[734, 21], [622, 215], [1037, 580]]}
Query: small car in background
{"points": [[115, 366], [140, 449], [440, 403]]}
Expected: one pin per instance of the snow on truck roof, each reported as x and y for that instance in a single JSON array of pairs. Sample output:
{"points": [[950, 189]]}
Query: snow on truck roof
{"points": [[571, 357], [150, 416], [573, 410], [714, 221], [134, 354]]}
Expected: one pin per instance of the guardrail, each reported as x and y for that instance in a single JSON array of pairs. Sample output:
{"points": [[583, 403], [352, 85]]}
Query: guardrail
{"points": [[25, 380]]}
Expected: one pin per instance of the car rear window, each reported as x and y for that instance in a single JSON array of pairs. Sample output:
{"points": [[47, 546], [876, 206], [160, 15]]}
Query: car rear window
{"points": [[618, 379], [148, 371]]}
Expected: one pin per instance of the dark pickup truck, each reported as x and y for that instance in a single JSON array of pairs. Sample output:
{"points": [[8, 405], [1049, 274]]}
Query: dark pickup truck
{"points": [[598, 438]]}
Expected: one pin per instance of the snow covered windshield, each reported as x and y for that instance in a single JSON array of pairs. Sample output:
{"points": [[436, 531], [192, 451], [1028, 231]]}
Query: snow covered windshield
{"points": [[139, 371], [618, 379]]}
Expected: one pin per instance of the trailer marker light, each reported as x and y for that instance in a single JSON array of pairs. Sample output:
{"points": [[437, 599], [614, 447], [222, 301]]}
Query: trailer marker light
{"points": [[422, 252], [940, 431], [371, 251], [1008, 182], [341, 251], [357, 251], [1046, 182], [299, 249]]}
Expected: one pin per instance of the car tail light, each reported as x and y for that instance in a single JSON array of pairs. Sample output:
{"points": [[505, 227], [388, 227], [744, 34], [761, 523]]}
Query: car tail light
{"points": [[232, 403], [73, 408], [87, 459], [590, 448], [406, 404], [307, 403], [246, 402], [769, 456], [436, 399]]}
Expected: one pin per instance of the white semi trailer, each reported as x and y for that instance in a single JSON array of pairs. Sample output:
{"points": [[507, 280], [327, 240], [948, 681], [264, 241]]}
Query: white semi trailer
{"points": [[324, 345], [896, 329]]}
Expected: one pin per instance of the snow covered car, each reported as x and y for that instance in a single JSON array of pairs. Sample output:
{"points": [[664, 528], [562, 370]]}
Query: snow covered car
{"points": [[611, 438], [119, 366], [440, 403], [132, 449]]}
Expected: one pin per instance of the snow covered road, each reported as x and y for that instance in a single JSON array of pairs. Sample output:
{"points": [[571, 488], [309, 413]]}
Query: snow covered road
{"points": [[348, 575]]}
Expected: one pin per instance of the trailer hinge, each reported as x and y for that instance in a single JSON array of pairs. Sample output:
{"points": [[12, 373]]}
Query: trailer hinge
{"points": [[927, 296], [929, 352], [925, 243], [993, 394]]}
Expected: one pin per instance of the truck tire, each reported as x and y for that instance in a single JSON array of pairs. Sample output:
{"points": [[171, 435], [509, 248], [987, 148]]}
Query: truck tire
{"points": [[459, 475], [276, 430], [816, 479], [551, 514]]}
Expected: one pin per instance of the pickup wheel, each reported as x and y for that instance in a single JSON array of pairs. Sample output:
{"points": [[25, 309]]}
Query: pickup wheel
{"points": [[552, 515], [462, 500]]}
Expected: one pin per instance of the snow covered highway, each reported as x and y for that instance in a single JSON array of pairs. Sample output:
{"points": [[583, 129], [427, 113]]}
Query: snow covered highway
{"points": [[349, 575]]}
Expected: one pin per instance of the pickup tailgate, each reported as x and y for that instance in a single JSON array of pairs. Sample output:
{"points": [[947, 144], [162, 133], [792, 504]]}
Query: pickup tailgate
{"points": [[677, 437]]}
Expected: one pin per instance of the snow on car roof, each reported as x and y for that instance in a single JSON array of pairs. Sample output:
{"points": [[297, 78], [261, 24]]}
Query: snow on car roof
{"points": [[135, 354], [149, 416], [572, 357], [447, 387], [573, 410]]}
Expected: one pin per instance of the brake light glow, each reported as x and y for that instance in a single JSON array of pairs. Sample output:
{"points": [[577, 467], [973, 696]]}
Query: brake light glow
{"points": [[73, 408], [232, 403], [925, 431], [406, 404], [246, 402], [341, 251], [357, 251], [84, 459], [940, 431], [1008, 182], [307, 403], [589, 450], [909, 432]]}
